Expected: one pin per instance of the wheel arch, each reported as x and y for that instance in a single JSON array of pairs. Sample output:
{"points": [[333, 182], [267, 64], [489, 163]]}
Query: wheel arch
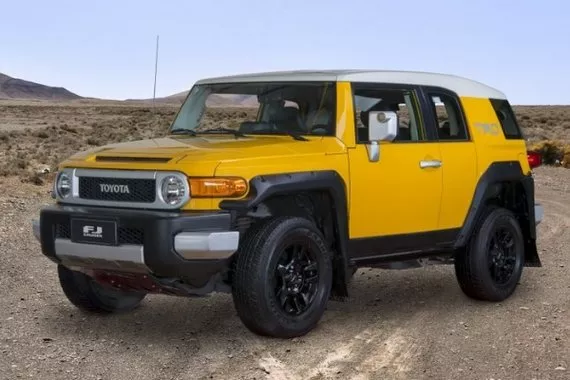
{"points": [[504, 184], [279, 193]]}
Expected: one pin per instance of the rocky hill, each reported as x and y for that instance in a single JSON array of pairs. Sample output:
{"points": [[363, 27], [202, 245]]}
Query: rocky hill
{"points": [[14, 88]]}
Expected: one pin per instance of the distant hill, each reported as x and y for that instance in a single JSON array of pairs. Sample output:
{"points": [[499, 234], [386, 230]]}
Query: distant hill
{"points": [[14, 88], [213, 101]]}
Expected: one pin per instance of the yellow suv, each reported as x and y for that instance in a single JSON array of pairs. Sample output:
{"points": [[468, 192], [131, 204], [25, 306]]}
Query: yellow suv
{"points": [[276, 187]]}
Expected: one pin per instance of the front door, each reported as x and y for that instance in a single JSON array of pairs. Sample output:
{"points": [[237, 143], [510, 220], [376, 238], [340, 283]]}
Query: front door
{"points": [[395, 201]]}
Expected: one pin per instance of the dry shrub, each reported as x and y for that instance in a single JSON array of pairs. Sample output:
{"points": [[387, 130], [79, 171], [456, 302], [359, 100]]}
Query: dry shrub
{"points": [[553, 152], [35, 178], [566, 160]]}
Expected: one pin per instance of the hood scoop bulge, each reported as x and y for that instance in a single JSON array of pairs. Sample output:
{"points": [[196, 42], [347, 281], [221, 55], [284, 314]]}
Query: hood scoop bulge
{"points": [[132, 159]]}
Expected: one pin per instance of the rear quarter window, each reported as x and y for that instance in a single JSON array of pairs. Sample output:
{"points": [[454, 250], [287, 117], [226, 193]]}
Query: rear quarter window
{"points": [[507, 118]]}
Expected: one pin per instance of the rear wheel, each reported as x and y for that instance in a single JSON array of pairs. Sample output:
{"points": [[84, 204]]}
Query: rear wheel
{"points": [[492, 264], [86, 294], [283, 277]]}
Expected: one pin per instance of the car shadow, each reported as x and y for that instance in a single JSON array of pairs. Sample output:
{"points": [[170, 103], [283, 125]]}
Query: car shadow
{"points": [[390, 295]]}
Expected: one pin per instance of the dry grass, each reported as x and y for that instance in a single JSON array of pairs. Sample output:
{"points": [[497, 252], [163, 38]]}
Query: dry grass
{"points": [[544, 122], [37, 135], [69, 129]]}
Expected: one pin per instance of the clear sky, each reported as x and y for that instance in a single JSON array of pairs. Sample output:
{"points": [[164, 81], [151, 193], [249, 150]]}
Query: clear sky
{"points": [[106, 48]]}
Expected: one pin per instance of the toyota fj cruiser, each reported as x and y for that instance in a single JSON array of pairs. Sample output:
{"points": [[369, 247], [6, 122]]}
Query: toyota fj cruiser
{"points": [[275, 187]]}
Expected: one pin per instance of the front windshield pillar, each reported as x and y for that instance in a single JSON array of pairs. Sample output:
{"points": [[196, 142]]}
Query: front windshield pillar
{"points": [[345, 127], [192, 109]]}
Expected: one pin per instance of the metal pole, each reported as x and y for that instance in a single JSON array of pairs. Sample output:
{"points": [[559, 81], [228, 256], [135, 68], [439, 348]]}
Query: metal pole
{"points": [[155, 71]]}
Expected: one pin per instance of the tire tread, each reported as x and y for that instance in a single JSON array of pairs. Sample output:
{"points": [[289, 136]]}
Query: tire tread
{"points": [[79, 291], [247, 275], [470, 278]]}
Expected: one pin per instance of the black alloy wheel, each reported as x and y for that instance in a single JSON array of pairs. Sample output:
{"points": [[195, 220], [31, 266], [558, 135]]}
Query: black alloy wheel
{"points": [[296, 277], [502, 255], [491, 265], [282, 277]]}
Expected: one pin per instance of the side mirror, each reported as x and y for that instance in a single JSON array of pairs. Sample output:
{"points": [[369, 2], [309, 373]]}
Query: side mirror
{"points": [[382, 126]]}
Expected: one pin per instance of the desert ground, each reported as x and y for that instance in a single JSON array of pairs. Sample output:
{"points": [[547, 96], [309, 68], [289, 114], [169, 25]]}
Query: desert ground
{"points": [[409, 324]]}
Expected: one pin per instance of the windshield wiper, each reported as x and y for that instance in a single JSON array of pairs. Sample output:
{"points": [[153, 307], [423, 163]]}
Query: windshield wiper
{"points": [[234, 132], [296, 136], [182, 131]]}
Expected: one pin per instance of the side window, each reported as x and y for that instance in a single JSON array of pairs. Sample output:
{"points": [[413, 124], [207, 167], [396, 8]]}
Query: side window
{"points": [[404, 102], [507, 119], [449, 123]]}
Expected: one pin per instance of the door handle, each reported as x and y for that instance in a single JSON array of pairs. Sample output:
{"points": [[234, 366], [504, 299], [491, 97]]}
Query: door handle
{"points": [[430, 164]]}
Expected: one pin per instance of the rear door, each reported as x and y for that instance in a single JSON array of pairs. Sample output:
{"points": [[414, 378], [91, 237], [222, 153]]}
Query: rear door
{"points": [[458, 155]]}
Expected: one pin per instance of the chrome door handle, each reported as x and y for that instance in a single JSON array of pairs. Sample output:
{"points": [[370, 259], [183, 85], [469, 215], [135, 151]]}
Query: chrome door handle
{"points": [[430, 164]]}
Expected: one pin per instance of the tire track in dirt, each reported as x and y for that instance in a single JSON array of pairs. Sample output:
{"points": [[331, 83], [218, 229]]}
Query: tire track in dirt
{"points": [[365, 355], [556, 219]]}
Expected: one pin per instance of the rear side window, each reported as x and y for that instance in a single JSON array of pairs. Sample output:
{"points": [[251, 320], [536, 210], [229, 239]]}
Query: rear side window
{"points": [[449, 121], [507, 118]]}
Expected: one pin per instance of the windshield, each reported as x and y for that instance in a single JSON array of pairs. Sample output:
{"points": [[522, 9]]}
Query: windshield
{"points": [[259, 108]]}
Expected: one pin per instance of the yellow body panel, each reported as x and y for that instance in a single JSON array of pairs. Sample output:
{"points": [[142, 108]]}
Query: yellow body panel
{"points": [[394, 196], [459, 172], [485, 129]]}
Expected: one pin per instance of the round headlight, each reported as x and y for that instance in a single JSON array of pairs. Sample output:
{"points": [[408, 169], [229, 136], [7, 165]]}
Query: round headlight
{"points": [[173, 190], [63, 185]]}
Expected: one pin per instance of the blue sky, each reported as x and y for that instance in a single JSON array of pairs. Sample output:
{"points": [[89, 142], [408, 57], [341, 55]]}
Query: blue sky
{"points": [[106, 48]]}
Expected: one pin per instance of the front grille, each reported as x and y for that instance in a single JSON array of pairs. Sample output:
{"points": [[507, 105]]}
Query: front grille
{"points": [[124, 235], [139, 190], [130, 235], [63, 231]]}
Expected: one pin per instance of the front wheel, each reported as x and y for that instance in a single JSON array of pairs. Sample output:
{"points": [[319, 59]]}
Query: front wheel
{"points": [[282, 277], [492, 264], [86, 294]]}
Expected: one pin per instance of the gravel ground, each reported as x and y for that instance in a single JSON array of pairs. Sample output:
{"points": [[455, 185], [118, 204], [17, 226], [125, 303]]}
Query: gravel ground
{"points": [[412, 324]]}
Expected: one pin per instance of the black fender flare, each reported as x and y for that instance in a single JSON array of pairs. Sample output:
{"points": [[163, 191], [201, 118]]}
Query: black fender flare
{"points": [[497, 173], [263, 187]]}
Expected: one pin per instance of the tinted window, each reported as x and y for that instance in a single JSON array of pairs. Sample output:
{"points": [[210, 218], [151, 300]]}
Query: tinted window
{"points": [[449, 122], [507, 119], [404, 102]]}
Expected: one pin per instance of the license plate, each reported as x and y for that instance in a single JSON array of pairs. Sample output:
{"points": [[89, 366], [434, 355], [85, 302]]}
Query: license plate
{"points": [[93, 231]]}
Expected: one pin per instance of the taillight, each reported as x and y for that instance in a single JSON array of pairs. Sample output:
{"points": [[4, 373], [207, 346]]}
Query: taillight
{"points": [[534, 159]]}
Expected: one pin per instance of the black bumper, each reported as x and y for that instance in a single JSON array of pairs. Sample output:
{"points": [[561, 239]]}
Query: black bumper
{"points": [[154, 230]]}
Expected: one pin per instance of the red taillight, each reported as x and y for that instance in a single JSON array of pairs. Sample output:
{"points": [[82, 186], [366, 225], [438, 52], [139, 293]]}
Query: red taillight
{"points": [[534, 159]]}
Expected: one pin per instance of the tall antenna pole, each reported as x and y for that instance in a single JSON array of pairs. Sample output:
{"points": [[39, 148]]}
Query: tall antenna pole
{"points": [[155, 71]]}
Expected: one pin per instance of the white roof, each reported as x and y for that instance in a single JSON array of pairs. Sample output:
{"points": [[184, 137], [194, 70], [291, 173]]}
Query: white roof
{"points": [[461, 86]]}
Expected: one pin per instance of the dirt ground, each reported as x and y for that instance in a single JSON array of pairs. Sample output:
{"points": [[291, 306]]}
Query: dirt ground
{"points": [[412, 324]]}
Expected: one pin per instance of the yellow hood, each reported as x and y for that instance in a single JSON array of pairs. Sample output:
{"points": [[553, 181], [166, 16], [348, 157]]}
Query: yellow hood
{"points": [[200, 155]]}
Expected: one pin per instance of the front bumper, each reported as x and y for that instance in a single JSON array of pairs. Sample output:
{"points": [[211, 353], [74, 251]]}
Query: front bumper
{"points": [[189, 245]]}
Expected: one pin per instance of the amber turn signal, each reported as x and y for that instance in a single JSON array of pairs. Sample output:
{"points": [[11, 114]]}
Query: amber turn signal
{"points": [[217, 187]]}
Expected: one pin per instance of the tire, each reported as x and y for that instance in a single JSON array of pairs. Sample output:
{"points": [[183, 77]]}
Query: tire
{"points": [[86, 294], [492, 264], [269, 289]]}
